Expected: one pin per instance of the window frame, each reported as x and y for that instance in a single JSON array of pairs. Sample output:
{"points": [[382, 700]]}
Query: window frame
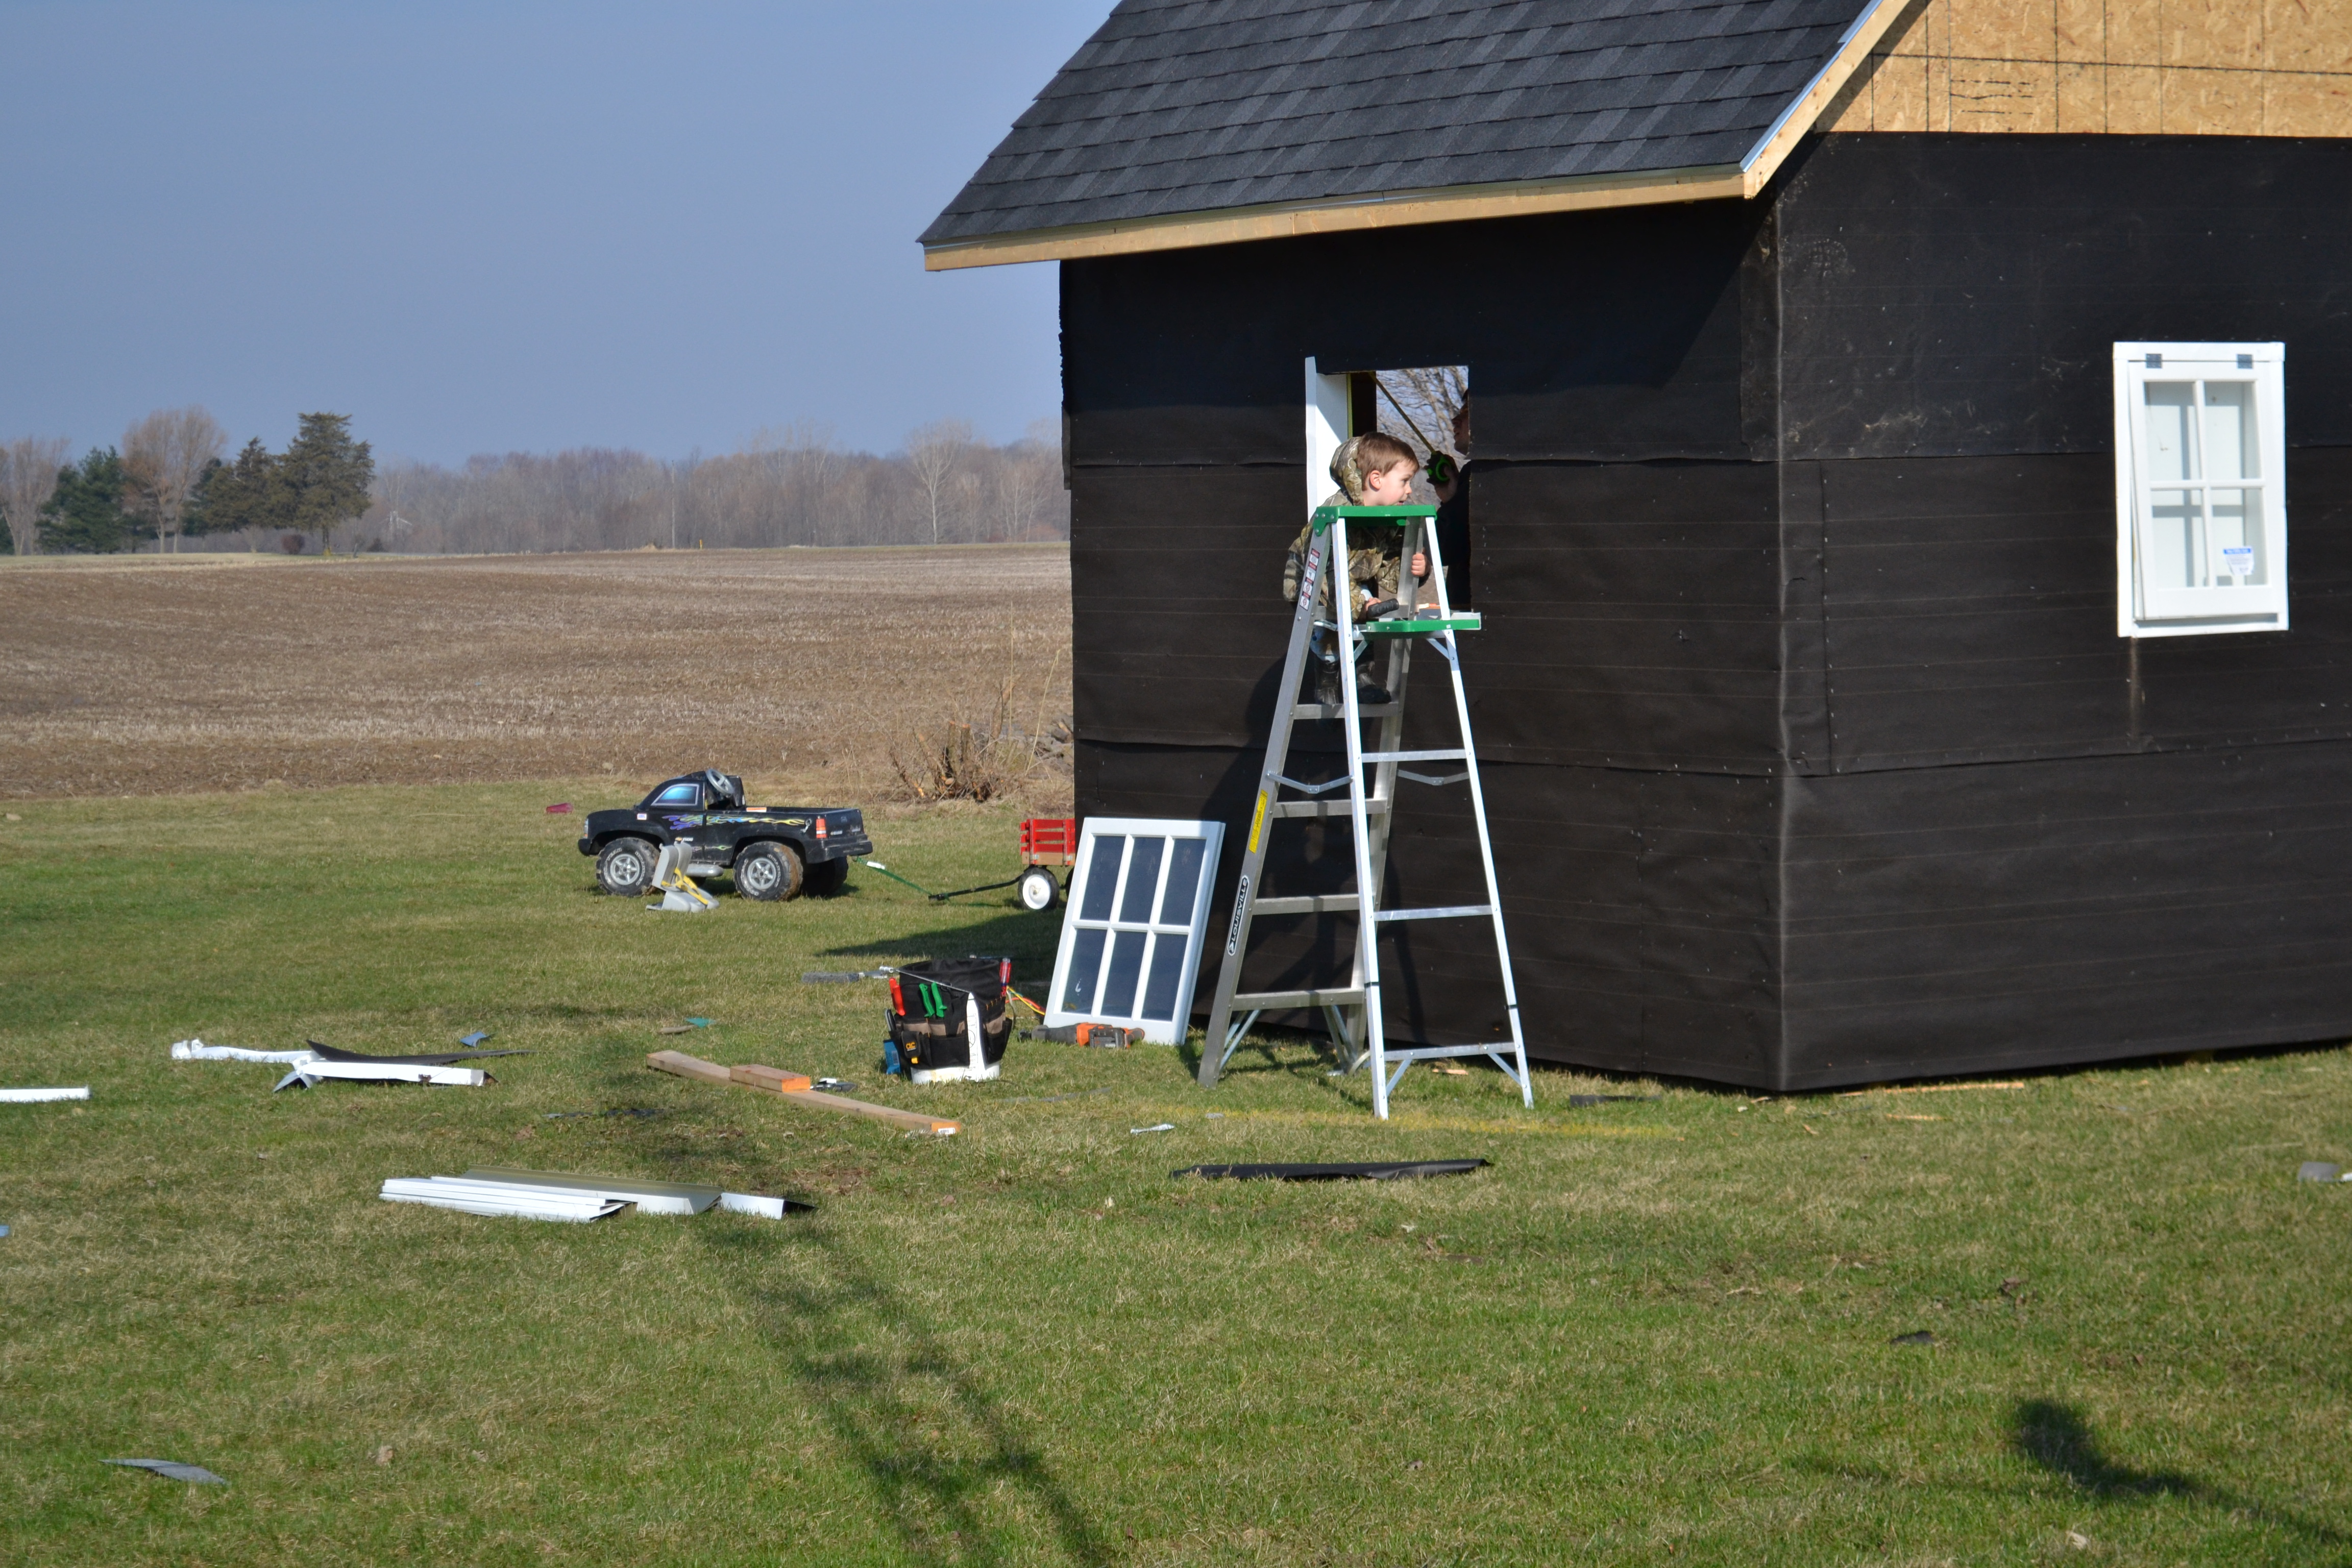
{"points": [[2250, 607], [1159, 1031]]}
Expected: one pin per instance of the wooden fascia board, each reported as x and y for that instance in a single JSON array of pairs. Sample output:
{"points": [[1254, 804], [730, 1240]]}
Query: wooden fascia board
{"points": [[1183, 231]]}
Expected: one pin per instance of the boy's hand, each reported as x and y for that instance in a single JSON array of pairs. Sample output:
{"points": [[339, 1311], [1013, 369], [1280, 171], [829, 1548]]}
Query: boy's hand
{"points": [[1420, 564]]}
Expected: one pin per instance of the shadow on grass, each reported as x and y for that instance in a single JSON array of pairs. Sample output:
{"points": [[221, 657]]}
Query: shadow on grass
{"points": [[2056, 1438], [1018, 935], [945, 1459]]}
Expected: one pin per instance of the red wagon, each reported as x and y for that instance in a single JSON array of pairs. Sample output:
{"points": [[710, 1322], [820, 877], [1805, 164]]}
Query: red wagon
{"points": [[1045, 842]]}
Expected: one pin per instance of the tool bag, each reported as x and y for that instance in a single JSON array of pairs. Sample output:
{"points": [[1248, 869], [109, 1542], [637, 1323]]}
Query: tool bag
{"points": [[931, 1005]]}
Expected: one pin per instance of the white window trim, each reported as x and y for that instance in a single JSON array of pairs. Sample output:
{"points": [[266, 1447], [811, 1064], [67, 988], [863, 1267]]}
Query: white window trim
{"points": [[1326, 427], [1160, 1031], [2254, 607]]}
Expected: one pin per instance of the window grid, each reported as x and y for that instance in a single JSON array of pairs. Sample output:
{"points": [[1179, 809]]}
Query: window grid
{"points": [[1130, 943], [2201, 509]]}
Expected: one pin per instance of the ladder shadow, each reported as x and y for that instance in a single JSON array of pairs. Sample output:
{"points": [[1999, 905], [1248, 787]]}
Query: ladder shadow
{"points": [[946, 1460]]}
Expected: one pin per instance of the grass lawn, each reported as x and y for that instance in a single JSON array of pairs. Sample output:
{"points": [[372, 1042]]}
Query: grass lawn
{"points": [[1651, 1332]]}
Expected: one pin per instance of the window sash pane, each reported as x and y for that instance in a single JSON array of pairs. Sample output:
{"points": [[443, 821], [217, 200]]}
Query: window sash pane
{"points": [[1167, 969], [1142, 880], [1086, 967], [1183, 882], [1126, 966], [1102, 878]]}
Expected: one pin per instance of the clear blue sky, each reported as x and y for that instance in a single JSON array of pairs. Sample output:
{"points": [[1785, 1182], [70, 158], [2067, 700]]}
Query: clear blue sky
{"points": [[491, 227]]}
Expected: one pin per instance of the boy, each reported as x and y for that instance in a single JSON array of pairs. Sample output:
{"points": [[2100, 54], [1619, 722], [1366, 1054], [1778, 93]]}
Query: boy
{"points": [[1375, 469]]}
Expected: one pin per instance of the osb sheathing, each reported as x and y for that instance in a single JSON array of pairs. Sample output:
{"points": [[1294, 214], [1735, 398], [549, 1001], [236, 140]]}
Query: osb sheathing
{"points": [[2181, 67]]}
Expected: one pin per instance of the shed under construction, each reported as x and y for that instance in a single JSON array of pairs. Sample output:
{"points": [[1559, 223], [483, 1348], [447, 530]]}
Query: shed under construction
{"points": [[1888, 419]]}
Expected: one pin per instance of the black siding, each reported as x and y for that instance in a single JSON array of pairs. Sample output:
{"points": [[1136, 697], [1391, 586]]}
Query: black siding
{"points": [[1813, 754]]}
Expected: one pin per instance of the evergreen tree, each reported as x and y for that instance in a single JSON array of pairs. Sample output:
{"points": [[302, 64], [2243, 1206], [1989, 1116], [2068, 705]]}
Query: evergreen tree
{"points": [[85, 516], [249, 494], [326, 475]]}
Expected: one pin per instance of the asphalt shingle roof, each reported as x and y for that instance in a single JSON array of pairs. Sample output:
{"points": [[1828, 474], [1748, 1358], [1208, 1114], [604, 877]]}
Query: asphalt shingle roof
{"points": [[1187, 106]]}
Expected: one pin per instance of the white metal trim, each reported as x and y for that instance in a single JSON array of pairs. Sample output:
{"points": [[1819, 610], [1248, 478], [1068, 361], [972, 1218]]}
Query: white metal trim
{"points": [[1805, 93]]}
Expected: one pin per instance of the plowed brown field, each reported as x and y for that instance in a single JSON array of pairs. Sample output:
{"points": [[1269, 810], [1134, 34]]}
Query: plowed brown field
{"points": [[797, 668]]}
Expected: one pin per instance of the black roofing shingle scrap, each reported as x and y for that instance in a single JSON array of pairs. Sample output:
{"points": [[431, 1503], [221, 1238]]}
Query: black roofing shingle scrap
{"points": [[1183, 106]]}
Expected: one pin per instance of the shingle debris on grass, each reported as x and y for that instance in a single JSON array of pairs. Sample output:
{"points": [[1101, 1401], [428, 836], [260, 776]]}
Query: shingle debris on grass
{"points": [[2319, 1171], [171, 1470], [1390, 1172]]}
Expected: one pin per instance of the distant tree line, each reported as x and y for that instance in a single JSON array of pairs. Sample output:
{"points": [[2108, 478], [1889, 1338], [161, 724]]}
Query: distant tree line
{"points": [[168, 481], [796, 485]]}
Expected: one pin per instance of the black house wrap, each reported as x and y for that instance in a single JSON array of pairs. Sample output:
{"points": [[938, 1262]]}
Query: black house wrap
{"points": [[1813, 753]]}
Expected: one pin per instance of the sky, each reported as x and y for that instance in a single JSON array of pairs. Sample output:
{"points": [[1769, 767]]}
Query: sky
{"points": [[493, 227]]}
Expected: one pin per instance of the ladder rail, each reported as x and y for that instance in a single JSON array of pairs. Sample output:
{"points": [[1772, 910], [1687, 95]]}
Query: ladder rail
{"points": [[1368, 949], [1446, 646], [1215, 1047]]}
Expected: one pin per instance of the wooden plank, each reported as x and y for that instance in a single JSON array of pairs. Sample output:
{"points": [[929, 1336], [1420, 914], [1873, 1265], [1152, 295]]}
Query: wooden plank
{"points": [[913, 1120], [684, 1066], [774, 1079]]}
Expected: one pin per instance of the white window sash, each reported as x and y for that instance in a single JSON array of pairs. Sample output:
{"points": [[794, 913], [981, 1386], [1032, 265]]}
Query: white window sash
{"points": [[1162, 1031], [2148, 605]]}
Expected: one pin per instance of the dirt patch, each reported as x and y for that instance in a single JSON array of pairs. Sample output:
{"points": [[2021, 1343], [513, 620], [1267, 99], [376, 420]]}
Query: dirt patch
{"points": [[158, 677]]}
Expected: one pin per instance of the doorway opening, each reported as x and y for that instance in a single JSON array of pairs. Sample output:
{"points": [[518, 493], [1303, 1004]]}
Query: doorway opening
{"points": [[1428, 408]]}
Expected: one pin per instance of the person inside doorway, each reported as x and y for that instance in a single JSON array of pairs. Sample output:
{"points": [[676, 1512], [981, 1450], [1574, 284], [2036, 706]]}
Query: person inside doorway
{"points": [[1453, 525]]}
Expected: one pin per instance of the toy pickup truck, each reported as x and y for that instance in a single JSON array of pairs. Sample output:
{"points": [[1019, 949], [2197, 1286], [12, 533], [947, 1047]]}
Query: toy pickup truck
{"points": [[775, 852]]}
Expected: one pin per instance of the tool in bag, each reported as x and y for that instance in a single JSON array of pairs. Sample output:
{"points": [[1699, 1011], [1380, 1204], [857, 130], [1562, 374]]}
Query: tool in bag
{"points": [[947, 1019]]}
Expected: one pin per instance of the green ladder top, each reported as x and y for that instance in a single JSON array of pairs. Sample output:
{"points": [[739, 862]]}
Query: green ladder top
{"points": [[1393, 628], [1324, 514]]}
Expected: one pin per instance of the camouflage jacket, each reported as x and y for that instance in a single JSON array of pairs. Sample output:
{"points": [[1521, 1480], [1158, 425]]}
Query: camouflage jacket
{"points": [[1375, 567]]}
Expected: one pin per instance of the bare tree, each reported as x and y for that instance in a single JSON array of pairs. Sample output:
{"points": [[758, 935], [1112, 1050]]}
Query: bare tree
{"points": [[1420, 404], [934, 453], [795, 485], [163, 456], [29, 476]]}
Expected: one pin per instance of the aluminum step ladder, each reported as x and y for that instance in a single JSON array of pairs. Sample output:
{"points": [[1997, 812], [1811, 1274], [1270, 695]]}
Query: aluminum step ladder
{"points": [[1352, 1012]]}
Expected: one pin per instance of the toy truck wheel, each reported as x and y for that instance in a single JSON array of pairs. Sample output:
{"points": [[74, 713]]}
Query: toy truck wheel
{"points": [[769, 872], [625, 868], [826, 878], [1039, 889]]}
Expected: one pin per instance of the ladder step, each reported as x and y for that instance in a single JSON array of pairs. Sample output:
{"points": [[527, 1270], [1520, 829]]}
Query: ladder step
{"points": [[1305, 904], [1412, 1053], [1450, 913], [1334, 710], [1322, 809], [1260, 1000], [1470, 622], [1455, 755]]}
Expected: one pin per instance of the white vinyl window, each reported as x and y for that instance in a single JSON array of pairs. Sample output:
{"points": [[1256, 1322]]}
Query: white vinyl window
{"points": [[1132, 939], [2201, 489]]}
